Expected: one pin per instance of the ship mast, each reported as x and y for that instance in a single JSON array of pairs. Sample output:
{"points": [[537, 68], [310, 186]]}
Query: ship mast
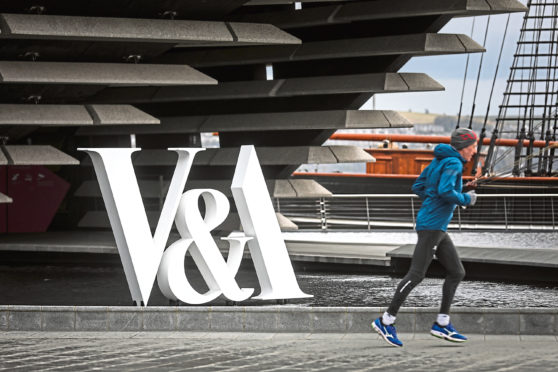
{"points": [[528, 111]]}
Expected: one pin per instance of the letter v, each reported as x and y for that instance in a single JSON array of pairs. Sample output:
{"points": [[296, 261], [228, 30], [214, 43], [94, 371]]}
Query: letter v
{"points": [[140, 252]]}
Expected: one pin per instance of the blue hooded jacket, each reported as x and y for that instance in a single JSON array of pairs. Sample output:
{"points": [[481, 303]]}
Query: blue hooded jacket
{"points": [[439, 186]]}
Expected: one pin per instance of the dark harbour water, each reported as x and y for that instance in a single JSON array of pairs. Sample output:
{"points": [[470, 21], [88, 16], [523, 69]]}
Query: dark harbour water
{"points": [[377, 290], [106, 285]]}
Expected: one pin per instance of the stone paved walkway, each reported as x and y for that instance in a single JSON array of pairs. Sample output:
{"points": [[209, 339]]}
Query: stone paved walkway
{"points": [[113, 351]]}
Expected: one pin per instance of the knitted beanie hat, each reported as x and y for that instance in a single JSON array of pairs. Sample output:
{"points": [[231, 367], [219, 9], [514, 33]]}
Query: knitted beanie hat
{"points": [[462, 137]]}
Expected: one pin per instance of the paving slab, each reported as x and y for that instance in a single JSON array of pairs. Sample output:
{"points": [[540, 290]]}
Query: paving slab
{"points": [[268, 352], [270, 319]]}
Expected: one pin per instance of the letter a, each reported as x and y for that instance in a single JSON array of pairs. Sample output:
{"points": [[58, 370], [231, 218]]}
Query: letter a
{"points": [[267, 248], [140, 252]]}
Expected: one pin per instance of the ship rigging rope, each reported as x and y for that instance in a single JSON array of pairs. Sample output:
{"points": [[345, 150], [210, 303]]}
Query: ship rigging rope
{"points": [[552, 135], [491, 157], [534, 63], [483, 180], [479, 74], [465, 78], [542, 163], [529, 130], [502, 156], [483, 130]]}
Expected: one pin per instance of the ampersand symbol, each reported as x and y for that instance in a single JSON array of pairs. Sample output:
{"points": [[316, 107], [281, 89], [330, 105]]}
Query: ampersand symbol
{"points": [[195, 232]]}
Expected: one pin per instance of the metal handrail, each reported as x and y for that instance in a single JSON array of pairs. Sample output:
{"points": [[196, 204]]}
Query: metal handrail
{"points": [[383, 196], [370, 211]]}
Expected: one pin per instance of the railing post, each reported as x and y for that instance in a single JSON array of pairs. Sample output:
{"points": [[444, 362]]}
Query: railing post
{"points": [[278, 205], [367, 214], [323, 214], [413, 212], [459, 217], [552, 210], [531, 210], [505, 213]]}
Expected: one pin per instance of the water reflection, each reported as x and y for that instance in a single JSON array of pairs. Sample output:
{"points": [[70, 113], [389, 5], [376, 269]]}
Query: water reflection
{"points": [[377, 290], [83, 285]]}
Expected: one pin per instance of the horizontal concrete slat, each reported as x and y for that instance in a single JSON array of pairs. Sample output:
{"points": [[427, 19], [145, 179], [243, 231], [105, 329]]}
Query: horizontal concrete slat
{"points": [[191, 33], [351, 154], [277, 156], [302, 120], [191, 9], [417, 82], [284, 155], [284, 223], [327, 119], [382, 9], [120, 115], [450, 44], [288, 155], [260, 33], [412, 44], [288, 188], [305, 189], [38, 155], [4, 199], [73, 115], [114, 74], [16, 114], [283, 2], [476, 7], [294, 87]]}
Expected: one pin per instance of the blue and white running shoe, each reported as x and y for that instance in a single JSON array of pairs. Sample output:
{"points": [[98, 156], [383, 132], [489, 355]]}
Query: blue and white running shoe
{"points": [[447, 333], [388, 332]]}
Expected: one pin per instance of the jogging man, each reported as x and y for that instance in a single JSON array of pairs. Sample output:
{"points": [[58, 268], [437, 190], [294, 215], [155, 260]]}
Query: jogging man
{"points": [[440, 188]]}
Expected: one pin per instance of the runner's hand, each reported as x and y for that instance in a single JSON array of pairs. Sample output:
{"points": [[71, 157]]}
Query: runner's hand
{"points": [[472, 183], [473, 196]]}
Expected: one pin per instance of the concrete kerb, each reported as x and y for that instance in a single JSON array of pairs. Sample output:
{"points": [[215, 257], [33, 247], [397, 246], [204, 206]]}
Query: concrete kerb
{"points": [[272, 319]]}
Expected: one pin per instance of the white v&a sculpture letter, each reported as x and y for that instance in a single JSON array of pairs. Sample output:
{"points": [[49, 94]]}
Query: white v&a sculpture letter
{"points": [[144, 257]]}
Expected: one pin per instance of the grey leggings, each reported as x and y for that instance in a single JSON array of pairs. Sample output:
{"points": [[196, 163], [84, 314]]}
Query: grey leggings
{"points": [[425, 249]]}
